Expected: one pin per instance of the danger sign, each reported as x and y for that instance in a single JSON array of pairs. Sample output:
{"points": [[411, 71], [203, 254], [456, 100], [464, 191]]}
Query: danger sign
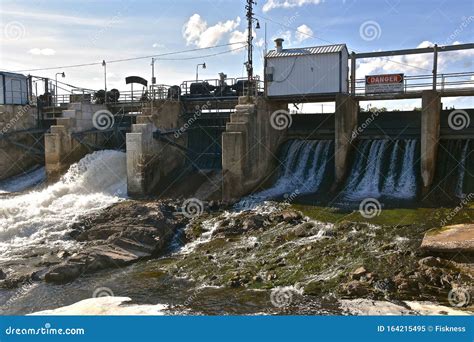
{"points": [[389, 83]]}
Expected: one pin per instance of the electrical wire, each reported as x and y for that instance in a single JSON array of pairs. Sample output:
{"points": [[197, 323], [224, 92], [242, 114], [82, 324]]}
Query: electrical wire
{"points": [[140, 57]]}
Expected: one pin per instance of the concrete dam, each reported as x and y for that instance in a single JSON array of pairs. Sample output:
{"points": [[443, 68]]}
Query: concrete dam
{"points": [[241, 137]]}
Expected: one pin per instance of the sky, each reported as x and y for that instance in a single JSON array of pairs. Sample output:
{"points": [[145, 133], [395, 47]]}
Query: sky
{"points": [[40, 34]]}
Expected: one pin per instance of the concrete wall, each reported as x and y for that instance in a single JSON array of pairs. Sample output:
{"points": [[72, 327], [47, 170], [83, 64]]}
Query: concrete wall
{"points": [[164, 113], [14, 160], [345, 124], [249, 146], [61, 149], [151, 162], [430, 128]]}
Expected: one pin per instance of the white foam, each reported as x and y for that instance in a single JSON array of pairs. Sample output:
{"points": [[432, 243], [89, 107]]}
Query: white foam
{"points": [[44, 216], [23, 181]]}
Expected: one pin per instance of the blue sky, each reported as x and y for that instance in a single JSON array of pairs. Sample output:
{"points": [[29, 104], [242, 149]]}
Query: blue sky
{"points": [[40, 34]]}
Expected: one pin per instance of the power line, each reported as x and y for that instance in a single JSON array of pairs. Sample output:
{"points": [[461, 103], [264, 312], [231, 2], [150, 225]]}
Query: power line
{"points": [[141, 57], [329, 42]]}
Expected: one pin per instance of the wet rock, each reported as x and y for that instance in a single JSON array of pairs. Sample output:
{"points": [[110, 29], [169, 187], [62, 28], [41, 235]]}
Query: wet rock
{"points": [[64, 273], [290, 216], [430, 262], [355, 288], [123, 234], [450, 239], [305, 229], [358, 273], [63, 254], [313, 288]]}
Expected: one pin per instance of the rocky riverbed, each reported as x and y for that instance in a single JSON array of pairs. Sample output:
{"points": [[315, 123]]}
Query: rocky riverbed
{"points": [[299, 255]]}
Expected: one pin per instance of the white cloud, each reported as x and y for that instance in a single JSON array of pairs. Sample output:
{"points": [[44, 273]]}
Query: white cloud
{"points": [[48, 17], [272, 4], [44, 52], [304, 32], [197, 32]]}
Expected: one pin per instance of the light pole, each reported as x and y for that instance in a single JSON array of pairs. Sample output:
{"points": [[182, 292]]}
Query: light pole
{"points": [[250, 20], [197, 70], [153, 79], [56, 85], [105, 80]]}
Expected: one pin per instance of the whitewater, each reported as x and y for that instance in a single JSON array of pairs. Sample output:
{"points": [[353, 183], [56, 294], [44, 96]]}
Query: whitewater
{"points": [[44, 217]]}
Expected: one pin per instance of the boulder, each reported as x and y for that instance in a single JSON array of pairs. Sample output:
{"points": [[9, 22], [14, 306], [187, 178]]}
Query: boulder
{"points": [[450, 239], [358, 273], [2, 275]]}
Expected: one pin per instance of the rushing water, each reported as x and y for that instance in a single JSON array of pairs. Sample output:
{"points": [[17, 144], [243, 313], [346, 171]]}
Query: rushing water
{"points": [[383, 168], [454, 175], [43, 217], [24, 181], [306, 168]]}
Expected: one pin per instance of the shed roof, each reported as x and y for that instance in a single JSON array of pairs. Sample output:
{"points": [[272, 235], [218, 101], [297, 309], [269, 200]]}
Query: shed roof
{"points": [[315, 50], [12, 74]]}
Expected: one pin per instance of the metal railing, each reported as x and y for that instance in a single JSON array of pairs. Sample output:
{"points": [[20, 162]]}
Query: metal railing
{"points": [[417, 83]]}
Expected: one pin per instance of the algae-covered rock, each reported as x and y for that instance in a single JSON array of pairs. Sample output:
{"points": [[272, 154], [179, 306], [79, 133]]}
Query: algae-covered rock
{"points": [[452, 239]]}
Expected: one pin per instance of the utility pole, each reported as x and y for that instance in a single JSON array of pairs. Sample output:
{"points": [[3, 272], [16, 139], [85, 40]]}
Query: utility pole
{"points": [[249, 8]]}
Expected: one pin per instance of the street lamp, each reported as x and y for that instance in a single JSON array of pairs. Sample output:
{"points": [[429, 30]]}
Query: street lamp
{"points": [[153, 79], [197, 70], [56, 86], [105, 80]]}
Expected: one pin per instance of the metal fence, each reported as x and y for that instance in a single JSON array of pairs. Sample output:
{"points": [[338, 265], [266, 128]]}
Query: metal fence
{"points": [[413, 84]]}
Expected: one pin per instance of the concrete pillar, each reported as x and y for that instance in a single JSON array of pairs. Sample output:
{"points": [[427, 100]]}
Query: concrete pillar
{"points": [[430, 121], [346, 121], [249, 146], [234, 153], [139, 145]]}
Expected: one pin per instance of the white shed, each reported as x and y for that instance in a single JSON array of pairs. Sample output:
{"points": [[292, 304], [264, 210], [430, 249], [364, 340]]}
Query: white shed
{"points": [[13, 88], [319, 70]]}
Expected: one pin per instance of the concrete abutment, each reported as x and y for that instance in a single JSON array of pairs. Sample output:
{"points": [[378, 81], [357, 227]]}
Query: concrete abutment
{"points": [[430, 131]]}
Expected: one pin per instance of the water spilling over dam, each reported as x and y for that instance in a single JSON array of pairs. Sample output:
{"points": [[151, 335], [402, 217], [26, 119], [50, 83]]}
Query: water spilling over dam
{"points": [[44, 216], [383, 168]]}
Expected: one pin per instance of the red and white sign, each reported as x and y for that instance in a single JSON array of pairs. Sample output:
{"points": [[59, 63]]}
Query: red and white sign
{"points": [[389, 83]]}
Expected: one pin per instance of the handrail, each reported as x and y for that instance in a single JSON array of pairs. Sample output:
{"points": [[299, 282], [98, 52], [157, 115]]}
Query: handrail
{"points": [[416, 83]]}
